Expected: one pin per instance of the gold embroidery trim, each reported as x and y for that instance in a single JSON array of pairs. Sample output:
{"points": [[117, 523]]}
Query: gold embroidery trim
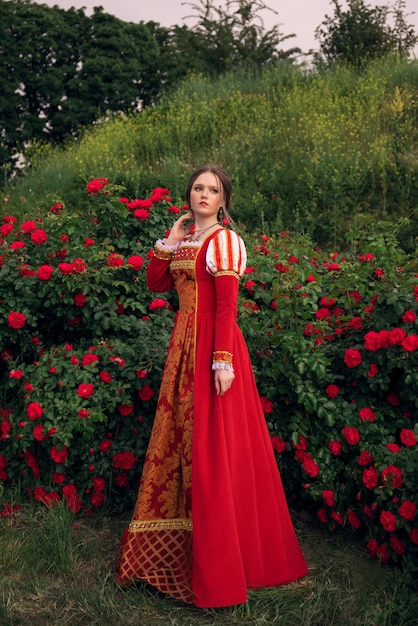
{"points": [[160, 524], [221, 356], [164, 255], [182, 264], [226, 273]]}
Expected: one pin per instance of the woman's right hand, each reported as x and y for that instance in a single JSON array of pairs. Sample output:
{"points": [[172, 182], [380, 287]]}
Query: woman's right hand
{"points": [[180, 229]]}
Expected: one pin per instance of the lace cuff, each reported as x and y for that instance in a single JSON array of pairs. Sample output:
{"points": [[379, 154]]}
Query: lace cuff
{"points": [[164, 252], [219, 365]]}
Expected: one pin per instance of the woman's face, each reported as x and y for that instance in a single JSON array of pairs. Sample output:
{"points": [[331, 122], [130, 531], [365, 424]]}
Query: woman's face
{"points": [[206, 196]]}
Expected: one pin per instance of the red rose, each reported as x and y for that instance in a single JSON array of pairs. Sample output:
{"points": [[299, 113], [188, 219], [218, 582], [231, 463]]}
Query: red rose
{"points": [[409, 317], [393, 447], [267, 405], [45, 272], [367, 414], [34, 411], [99, 483], [105, 377], [32, 463], [141, 214], [121, 479], [332, 391], [408, 437], [158, 303], [39, 236], [126, 409], [89, 359], [146, 393], [373, 369], [58, 478], [115, 260], [98, 498], [124, 460], [335, 447], [80, 299], [413, 535], [392, 476], [105, 445], [16, 320], [352, 357], [59, 456], [66, 268], [85, 390], [322, 515], [388, 521], [410, 343], [38, 433], [408, 509], [365, 458], [370, 477], [353, 519], [328, 497], [136, 262], [96, 185], [397, 545], [83, 413], [79, 265], [278, 444], [351, 435], [310, 467], [139, 204]]}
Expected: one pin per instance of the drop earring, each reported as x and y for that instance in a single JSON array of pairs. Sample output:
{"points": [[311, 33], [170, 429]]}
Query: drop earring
{"points": [[220, 215]]}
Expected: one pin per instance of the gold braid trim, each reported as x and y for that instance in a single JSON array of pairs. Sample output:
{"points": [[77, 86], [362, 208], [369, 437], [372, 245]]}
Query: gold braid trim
{"points": [[164, 255], [226, 273], [221, 356], [160, 524]]}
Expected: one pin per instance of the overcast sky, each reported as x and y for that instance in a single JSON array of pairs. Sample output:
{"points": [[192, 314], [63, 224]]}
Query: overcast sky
{"points": [[299, 17]]}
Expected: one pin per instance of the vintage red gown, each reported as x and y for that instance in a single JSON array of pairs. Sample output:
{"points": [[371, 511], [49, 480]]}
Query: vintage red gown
{"points": [[211, 518]]}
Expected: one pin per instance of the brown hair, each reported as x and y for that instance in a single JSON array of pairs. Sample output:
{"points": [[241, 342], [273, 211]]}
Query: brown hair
{"points": [[224, 181]]}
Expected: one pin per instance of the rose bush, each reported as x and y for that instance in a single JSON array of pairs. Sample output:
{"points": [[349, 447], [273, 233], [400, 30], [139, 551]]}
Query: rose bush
{"points": [[333, 343]]}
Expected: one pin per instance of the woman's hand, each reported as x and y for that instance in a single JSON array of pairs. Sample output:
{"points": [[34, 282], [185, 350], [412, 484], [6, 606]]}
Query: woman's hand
{"points": [[223, 381], [180, 229]]}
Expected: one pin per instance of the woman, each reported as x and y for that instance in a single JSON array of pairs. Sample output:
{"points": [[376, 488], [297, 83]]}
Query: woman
{"points": [[211, 519]]}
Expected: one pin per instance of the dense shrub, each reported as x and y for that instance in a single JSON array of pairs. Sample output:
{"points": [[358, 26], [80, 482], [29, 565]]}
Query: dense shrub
{"points": [[333, 341]]}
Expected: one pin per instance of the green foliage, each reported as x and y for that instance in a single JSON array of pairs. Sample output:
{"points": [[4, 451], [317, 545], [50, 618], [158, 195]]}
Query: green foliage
{"points": [[333, 343], [314, 153], [363, 33]]}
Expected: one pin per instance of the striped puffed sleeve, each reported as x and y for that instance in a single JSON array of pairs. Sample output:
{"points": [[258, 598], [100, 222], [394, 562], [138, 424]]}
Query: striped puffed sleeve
{"points": [[226, 254], [226, 260]]}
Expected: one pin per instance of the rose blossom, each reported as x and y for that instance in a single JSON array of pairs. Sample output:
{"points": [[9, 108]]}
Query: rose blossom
{"points": [[80, 299], [353, 519], [59, 456], [39, 236], [278, 444], [332, 391], [370, 477], [16, 320], [45, 272], [392, 476], [146, 393], [397, 545], [126, 409], [85, 390], [408, 509], [388, 521], [158, 303], [409, 317], [96, 185], [105, 377], [408, 437], [351, 435], [136, 262], [335, 447], [328, 497], [352, 357], [34, 411], [367, 414], [89, 359], [124, 460], [410, 343]]}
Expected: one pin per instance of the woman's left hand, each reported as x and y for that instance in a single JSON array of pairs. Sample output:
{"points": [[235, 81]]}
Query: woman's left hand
{"points": [[223, 381]]}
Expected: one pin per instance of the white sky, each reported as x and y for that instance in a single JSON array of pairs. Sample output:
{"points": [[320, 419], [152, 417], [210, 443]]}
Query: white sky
{"points": [[299, 17]]}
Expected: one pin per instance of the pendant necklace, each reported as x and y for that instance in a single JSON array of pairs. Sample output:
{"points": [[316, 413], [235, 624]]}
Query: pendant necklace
{"points": [[201, 231]]}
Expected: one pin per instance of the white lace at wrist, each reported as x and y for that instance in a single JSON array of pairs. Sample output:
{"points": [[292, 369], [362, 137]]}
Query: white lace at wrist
{"points": [[161, 243], [219, 365]]}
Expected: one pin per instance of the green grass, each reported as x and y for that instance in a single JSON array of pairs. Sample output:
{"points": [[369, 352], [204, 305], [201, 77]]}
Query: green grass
{"points": [[57, 570]]}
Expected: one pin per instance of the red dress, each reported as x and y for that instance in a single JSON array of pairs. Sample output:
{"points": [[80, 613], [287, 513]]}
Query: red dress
{"points": [[211, 519]]}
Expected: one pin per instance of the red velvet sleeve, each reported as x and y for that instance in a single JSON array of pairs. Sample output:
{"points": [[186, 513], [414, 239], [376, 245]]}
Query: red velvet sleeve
{"points": [[158, 275], [226, 286]]}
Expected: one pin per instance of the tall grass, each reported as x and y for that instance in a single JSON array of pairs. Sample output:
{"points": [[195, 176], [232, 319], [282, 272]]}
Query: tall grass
{"points": [[307, 151], [56, 570]]}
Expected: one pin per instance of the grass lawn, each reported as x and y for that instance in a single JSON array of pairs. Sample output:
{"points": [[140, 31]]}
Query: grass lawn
{"points": [[57, 570]]}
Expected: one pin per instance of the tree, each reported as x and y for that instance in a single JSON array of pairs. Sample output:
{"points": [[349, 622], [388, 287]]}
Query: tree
{"points": [[363, 33], [228, 38]]}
